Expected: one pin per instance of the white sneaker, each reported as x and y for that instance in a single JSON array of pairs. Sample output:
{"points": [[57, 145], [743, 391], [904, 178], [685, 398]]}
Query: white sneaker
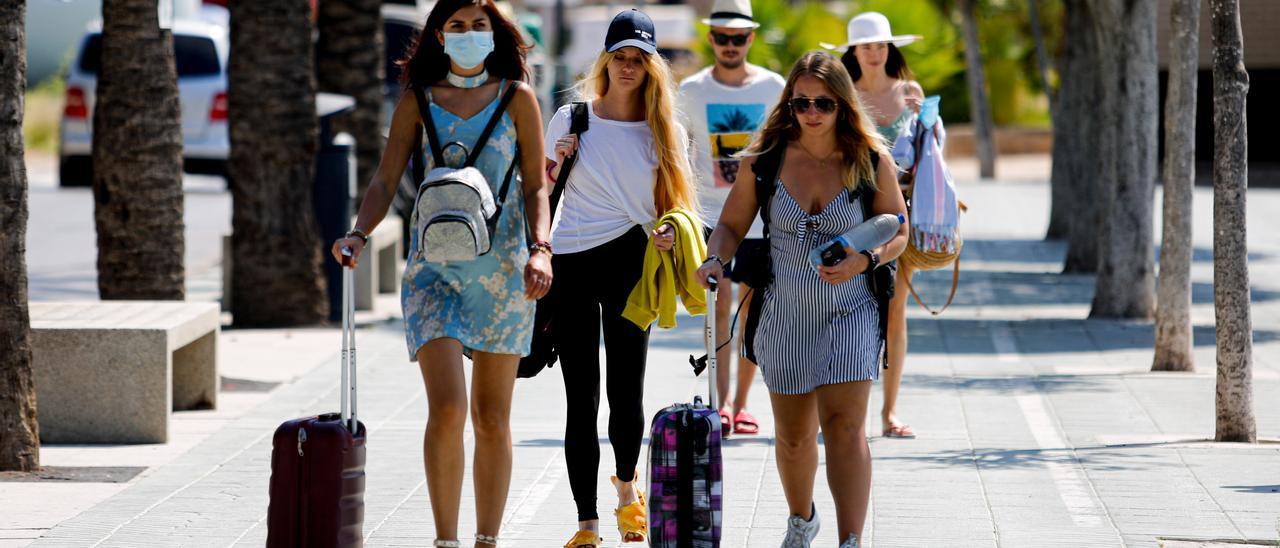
{"points": [[800, 533], [851, 542]]}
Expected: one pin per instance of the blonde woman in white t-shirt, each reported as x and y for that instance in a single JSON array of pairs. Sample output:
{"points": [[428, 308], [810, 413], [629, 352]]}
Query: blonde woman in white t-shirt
{"points": [[632, 167]]}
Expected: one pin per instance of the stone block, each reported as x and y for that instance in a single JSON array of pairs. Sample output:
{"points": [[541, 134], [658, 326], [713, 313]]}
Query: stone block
{"points": [[113, 371]]}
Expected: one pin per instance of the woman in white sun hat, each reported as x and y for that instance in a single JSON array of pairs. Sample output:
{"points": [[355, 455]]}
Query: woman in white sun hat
{"points": [[887, 88]]}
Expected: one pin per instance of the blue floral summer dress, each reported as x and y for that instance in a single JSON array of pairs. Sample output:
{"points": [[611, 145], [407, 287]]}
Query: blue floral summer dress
{"points": [[480, 303]]}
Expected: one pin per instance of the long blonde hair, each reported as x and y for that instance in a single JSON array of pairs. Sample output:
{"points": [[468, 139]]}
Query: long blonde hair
{"points": [[675, 185], [856, 135]]}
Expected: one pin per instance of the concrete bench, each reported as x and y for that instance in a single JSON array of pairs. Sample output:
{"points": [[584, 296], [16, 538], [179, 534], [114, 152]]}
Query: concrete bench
{"points": [[114, 371], [379, 270]]}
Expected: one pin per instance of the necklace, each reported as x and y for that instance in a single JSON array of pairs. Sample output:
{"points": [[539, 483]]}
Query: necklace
{"points": [[468, 82], [822, 162]]}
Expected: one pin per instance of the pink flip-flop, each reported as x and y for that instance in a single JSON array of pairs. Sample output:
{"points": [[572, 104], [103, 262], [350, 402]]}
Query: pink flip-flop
{"points": [[725, 423]]}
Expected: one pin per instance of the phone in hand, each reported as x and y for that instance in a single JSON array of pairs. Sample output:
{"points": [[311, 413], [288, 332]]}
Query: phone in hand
{"points": [[833, 254]]}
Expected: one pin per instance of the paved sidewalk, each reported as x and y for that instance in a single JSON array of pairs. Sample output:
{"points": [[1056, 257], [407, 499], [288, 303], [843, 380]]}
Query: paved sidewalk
{"points": [[1038, 427]]}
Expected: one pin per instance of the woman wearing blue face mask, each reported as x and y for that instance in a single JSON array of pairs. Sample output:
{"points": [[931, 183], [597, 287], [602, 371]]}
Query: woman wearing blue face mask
{"points": [[465, 75]]}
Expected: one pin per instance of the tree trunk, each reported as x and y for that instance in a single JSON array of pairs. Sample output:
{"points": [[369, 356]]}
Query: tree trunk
{"points": [[349, 60], [1077, 167], [1230, 270], [1057, 217], [1125, 285], [979, 106], [137, 157], [1042, 60], [19, 432], [276, 271], [1173, 308]]}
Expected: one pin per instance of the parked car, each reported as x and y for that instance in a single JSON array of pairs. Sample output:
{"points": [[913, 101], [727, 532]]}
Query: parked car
{"points": [[200, 53]]}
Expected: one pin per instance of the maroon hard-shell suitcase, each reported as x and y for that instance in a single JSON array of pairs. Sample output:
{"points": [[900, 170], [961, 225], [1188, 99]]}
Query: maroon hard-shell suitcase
{"points": [[317, 464]]}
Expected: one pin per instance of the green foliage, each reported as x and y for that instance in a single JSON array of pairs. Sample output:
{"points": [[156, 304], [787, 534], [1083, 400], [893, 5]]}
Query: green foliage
{"points": [[42, 112], [1004, 27]]}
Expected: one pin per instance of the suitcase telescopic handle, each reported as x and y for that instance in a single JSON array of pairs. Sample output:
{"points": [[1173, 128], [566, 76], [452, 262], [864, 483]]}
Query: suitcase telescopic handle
{"points": [[348, 367], [711, 343]]}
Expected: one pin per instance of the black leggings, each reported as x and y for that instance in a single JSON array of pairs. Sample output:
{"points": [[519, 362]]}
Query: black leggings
{"points": [[590, 289]]}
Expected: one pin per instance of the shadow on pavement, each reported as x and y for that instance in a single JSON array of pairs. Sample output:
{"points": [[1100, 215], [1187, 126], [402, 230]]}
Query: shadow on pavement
{"points": [[1047, 336]]}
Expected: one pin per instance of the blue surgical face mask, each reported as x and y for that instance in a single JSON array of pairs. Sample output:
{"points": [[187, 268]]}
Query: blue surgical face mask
{"points": [[468, 49]]}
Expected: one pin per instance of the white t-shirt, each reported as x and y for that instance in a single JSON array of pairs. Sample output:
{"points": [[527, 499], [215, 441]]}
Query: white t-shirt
{"points": [[723, 120], [611, 186]]}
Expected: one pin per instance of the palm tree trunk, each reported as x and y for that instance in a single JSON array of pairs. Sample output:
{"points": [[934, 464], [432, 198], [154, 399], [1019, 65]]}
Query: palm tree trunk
{"points": [[1125, 285], [137, 157], [1173, 311], [1234, 400], [1075, 177], [979, 106], [349, 60], [276, 274], [19, 431]]}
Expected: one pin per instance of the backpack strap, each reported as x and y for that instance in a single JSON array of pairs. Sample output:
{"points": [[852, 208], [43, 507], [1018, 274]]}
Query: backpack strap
{"points": [[429, 127], [866, 204], [477, 148], [578, 124], [502, 194], [766, 168]]}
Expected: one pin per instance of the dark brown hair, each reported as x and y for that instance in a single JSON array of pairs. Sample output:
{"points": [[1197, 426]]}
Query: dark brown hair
{"points": [[428, 64], [895, 66]]}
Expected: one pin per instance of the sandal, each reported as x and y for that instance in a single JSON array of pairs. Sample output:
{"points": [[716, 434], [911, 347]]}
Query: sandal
{"points": [[745, 423], [584, 539], [726, 423], [633, 519], [900, 431]]}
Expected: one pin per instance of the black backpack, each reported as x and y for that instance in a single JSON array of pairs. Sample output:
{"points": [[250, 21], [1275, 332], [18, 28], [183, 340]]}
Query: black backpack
{"points": [[542, 349], [758, 268]]}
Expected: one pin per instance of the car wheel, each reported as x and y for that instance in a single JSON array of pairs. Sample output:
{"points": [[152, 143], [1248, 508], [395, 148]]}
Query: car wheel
{"points": [[75, 171]]}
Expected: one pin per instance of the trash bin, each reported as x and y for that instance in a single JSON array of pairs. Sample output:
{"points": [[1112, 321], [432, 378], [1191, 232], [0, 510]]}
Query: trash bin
{"points": [[332, 194]]}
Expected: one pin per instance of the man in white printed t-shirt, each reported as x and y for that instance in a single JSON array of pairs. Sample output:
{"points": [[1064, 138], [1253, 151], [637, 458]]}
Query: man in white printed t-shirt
{"points": [[724, 104]]}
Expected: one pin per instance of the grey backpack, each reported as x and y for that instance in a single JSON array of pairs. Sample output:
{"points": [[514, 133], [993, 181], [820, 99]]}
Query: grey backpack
{"points": [[455, 213]]}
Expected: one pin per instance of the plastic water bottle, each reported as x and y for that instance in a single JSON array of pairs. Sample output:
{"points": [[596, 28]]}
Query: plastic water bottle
{"points": [[873, 232]]}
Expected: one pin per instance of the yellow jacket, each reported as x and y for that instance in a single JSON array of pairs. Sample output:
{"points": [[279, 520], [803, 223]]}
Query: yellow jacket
{"points": [[668, 273]]}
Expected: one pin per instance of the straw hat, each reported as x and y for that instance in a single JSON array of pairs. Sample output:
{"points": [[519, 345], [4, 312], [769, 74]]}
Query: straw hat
{"points": [[871, 28], [733, 14]]}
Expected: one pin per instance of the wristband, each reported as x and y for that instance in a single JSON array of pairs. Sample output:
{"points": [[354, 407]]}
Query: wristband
{"points": [[541, 245], [356, 232]]}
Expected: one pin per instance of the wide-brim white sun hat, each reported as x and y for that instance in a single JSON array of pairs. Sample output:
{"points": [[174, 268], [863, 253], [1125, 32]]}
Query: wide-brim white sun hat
{"points": [[731, 14], [872, 28]]}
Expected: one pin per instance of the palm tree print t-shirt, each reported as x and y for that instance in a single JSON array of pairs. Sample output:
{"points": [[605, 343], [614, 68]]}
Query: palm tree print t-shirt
{"points": [[722, 120]]}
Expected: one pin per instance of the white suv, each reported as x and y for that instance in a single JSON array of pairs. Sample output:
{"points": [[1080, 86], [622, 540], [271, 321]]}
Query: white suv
{"points": [[200, 52]]}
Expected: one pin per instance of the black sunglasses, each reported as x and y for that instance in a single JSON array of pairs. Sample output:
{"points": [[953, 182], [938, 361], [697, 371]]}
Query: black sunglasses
{"points": [[825, 105], [725, 39]]}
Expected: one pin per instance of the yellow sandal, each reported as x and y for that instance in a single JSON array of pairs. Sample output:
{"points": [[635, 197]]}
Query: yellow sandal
{"points": [[633, 519], [584, 539]]}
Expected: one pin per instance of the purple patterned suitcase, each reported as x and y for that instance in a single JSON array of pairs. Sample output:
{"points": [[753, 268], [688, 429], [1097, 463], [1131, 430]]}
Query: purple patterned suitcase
{"points": [[685, 471]]}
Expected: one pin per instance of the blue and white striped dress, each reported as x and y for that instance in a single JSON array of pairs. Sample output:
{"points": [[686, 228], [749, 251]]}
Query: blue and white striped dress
{"points": [[813, 333]]}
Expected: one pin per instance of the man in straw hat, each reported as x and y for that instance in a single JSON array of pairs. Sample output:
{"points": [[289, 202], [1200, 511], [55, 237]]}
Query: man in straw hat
{"points": [[723, 105]]}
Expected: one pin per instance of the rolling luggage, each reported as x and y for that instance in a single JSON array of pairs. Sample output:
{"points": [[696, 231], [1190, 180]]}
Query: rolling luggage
{"points": [[685, 471], [317, 463]]}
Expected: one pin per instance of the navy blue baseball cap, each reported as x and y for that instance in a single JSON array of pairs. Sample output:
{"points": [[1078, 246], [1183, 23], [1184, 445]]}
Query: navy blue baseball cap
{"points": [[631, 28]]}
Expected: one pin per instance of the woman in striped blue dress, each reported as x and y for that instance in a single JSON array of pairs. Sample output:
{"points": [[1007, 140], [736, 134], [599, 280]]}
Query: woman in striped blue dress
{"points": [[819, 341]]}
